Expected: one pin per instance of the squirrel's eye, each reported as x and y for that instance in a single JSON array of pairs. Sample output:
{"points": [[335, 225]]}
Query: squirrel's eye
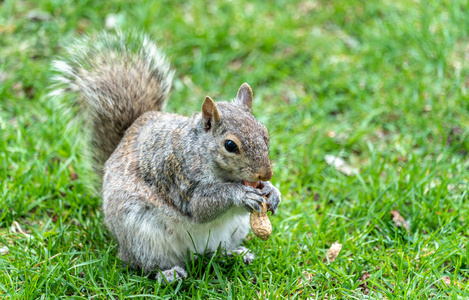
{"points": [[230, 146]]}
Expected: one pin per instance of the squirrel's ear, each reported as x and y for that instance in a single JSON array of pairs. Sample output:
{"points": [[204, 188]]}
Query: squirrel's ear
{"points": [[244, 96], [210, 114]]}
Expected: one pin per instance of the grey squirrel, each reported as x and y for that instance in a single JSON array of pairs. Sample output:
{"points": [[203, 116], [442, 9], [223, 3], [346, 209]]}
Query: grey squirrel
{"points": [[171, 184]]}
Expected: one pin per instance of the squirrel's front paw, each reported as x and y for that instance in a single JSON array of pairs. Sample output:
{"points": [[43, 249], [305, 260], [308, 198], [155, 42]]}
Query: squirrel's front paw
{"points": [[273, 195], [252, 198]]}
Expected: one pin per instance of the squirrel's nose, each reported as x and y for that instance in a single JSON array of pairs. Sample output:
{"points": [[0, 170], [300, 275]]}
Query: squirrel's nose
{"points": [[265, 174]]}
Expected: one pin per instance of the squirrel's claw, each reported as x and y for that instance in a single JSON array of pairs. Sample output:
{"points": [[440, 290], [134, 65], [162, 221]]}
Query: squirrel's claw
{"points": [[273, 195], [250, 189], [267, 188], [252, 206], [252, 199]]}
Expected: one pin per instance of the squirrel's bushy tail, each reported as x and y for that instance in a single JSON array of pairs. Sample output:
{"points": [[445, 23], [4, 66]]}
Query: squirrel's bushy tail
{"points": [[118, 78]]}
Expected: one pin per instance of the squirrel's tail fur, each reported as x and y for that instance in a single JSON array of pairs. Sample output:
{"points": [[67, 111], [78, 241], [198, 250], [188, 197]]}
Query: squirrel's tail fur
{"points": [[118, 78]]}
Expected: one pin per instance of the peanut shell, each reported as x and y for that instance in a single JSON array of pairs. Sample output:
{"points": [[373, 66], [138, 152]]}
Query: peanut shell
{"points": [[260, 223]]}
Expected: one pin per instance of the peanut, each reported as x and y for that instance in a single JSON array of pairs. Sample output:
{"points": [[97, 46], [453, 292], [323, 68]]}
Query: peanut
{"points": [[260, 223]]}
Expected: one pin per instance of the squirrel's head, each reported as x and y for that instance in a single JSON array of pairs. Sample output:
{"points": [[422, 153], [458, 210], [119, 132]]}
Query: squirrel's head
{"points": [[238, 143]]}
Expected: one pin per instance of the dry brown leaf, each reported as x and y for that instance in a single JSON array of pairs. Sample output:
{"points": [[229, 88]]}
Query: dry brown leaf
{"points": [[333, 252], [427, 108], [306, 7], [447, 281], [364, 285], [340, 165], [399, 221], [236, 64], [454, 136], [306, 277], [262, 295]]}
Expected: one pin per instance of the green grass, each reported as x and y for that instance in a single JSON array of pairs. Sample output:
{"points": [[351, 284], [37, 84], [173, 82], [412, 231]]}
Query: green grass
{"points": [[382, 84]]}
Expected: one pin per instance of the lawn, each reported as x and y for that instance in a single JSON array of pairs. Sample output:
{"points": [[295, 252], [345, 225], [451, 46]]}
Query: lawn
{"points": [[383, 85]]}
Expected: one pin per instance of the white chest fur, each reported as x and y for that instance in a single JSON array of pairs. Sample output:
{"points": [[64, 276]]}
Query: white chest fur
{"points": [[167, 240]]}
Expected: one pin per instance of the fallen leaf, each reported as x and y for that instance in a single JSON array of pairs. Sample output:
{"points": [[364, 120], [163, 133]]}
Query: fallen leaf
{"points": [[340, 165], [454, 136], [364, 284], [333, 252], [316, 197], [399, 221], [235, 64], [306, 277], [301, 289], [307, 7], [427, 108], [447, 281], [262, 295], [18, 89]]}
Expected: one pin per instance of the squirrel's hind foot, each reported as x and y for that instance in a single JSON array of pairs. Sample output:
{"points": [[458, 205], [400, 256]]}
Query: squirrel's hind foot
{"points": [[173, 274], [247, 255]]}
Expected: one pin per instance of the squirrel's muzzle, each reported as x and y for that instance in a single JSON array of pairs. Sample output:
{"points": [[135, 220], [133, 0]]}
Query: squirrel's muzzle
{"points": [[265, 174]]}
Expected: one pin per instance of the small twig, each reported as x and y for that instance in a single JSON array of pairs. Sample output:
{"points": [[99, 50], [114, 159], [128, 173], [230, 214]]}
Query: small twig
{"points": [[18, 229], [37, 265]]}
